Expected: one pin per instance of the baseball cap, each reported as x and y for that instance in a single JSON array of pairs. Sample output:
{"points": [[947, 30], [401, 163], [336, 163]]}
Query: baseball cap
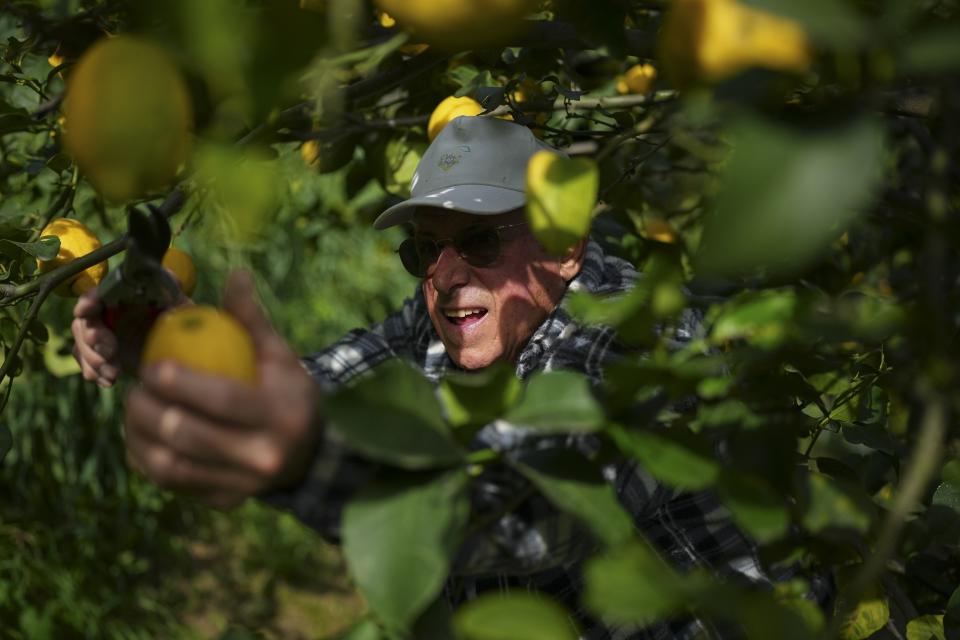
{"points": [[477, 164]]}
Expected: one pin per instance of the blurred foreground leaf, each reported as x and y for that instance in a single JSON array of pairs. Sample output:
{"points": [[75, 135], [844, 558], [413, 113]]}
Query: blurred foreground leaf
{"points": [[557, 401], [398, 536], [394, 417], [787, 194], [514, 615], [562, 193]]}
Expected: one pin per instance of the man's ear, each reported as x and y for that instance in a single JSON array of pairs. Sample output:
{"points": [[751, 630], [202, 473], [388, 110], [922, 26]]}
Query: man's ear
{"points": [[572, 260]]}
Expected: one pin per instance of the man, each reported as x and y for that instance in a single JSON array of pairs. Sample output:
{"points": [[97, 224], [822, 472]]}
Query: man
{"points": [[489, 293]]}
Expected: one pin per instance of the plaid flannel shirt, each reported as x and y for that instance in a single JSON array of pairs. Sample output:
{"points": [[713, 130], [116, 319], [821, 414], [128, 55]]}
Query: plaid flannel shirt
{"points": [[534, 547]]}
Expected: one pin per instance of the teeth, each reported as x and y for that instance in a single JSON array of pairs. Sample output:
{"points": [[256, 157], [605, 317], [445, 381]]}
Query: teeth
{"points": [[462, 313]]}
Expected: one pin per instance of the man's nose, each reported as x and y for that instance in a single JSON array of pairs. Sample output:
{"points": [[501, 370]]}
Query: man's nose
{"points": [[449, 271]]}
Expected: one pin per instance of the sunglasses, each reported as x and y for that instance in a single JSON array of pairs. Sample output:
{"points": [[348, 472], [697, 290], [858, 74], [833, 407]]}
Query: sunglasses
{"points": [[479, 246]]}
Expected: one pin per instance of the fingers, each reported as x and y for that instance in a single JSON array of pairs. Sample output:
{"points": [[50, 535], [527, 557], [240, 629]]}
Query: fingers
{"points": [[213, 396], [88, 305], [95, 349], [198, 439]]}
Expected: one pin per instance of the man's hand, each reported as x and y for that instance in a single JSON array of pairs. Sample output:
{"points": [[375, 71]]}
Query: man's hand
{"points": [[219, 440], [95, 346]]}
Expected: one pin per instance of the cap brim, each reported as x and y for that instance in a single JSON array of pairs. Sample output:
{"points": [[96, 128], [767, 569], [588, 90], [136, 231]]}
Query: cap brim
{"points": [[478, 199]]}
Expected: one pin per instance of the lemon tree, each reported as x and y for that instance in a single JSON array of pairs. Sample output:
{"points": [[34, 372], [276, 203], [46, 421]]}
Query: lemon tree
{"points": [[785, 171]]}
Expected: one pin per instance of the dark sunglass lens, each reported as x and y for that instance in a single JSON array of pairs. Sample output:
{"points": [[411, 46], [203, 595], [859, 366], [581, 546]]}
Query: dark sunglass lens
{"points": [[410, 258], [480, 247]]}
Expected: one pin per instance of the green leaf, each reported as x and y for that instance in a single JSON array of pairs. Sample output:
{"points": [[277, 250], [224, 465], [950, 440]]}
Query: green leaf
{"points": [[365, 630], [951, 619], [558, 401], [398, 537], [935, 50], [45, 248], [757, 508], [871, 613], [831, 507], [787, 194], [478, 398], [58, 357], [514, 615], [947, 495], [761, 318], [632, 585], [951, 472], [394, 417], [926, 628], [673, 457], [561, 194], [574, 485]]}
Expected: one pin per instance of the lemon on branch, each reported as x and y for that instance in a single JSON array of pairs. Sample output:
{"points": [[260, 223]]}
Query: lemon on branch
{"points": [[711, 40], [76, 240], [203, 339], [448, 109], [130, 116], [181, 266], [638, 79], [459, 24]]}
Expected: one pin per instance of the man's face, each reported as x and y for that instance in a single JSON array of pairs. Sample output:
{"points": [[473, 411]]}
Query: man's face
{"points": [[486, 314]]}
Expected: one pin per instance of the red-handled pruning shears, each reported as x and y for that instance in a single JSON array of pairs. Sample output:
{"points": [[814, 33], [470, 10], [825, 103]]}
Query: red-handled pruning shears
{"points": [[140, 289]]}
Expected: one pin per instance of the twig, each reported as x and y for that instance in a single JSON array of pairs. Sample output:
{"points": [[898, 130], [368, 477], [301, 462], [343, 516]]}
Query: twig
{"points": [[922, 466]]}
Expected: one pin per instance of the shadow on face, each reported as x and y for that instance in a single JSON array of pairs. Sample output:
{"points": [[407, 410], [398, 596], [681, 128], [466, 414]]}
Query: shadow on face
{"points": [[485, 313]]}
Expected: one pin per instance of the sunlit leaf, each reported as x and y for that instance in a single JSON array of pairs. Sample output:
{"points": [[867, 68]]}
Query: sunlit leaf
{"points": [[871, 613], [477, 398], [633, 585], [928, 627], [514, 615], [574, 485], [398, 539], [413, 437], [557, 401], [761, 318], [561, 194], [670, 459]]}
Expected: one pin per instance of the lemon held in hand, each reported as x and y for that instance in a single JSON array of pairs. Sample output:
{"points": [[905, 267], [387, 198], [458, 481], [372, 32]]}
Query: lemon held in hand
{"points": [[129, 115], [203, 339], [76, 240]]}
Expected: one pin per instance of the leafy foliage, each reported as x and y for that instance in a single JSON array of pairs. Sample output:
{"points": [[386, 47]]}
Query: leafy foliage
{"points": [[809, 219]]}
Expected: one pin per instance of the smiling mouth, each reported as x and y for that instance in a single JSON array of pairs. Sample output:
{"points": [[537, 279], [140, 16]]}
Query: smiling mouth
{"points": [[464, 317]]}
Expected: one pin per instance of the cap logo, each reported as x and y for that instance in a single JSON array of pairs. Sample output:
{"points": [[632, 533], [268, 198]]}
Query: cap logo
{"points": [[448, 161]]}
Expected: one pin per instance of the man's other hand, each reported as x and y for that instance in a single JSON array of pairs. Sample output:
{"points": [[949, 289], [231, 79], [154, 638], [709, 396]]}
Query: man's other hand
{"points": [[219, 440], [95, 346]]}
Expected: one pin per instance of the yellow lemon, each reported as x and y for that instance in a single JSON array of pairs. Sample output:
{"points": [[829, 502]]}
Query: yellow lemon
{"points": [[204, 339], [56, 59], [387, 22], [638, 79], [448, 109], [459, 23], [711, 40], [130, 116], [76, 240], [181, 265]]}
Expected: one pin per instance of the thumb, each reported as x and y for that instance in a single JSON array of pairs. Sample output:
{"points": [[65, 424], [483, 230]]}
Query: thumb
{"points": [[239, 300]]}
